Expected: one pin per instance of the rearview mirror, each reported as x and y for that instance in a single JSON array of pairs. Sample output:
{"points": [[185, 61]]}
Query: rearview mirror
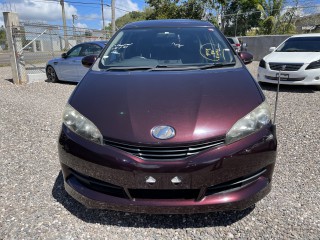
{"points": [[272, 49], [88, 61], [64, 55]]}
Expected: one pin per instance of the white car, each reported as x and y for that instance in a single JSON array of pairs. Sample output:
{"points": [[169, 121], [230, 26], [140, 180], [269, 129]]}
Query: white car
{"points": [[298, 58]]}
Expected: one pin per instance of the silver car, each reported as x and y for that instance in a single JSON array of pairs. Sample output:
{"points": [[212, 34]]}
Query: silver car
{"points": [[69, 67], [235, 43]]}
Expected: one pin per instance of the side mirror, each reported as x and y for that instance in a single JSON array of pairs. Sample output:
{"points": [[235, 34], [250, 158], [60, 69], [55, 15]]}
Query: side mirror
{"points": [[272, 49], [64, 55], [88, 61], [246, 57]]}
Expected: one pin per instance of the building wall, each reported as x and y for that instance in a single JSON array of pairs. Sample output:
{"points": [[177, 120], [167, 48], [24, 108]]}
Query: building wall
{"points": [[259, 45]]}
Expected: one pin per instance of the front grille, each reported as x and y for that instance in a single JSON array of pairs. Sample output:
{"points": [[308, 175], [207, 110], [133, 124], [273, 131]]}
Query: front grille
{"points": [[98, 185], [164, 194], [234, 184], [288, 66], [163, 153]]}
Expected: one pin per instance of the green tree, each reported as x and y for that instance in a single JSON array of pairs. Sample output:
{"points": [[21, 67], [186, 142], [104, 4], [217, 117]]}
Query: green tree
{"points": [[3, 37], [164, 9], [175, 9], [131, 17], [240, 16], [2, 32], [276, 19]]}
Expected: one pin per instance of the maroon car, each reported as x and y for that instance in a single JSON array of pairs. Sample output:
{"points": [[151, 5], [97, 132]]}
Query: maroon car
{"points": [[167, 120]]}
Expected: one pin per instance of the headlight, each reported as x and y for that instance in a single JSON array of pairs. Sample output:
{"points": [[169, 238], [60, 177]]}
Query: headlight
{"points": [[314, 65], [262, 63], [81, 125], [250, 123]]}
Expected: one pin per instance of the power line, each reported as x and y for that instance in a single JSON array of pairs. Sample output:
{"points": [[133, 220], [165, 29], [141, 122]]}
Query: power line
{"points": [[97, 4]]}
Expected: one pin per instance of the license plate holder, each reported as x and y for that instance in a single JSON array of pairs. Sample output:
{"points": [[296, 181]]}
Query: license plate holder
{"points": [[283, 76], [163, 181]]}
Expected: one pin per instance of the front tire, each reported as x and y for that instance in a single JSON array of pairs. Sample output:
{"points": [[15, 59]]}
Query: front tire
{"points": [[52, 75]]}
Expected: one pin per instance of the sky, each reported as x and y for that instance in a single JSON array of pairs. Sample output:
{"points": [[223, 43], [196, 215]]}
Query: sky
{"points": [[88, 11]]}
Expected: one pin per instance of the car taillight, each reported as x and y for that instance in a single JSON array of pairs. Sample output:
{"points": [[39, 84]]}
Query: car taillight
{"points": [[314, 65], [238, 44]]}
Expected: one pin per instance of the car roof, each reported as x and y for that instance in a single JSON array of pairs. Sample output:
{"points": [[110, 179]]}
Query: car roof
{"points": [[168, 23], [101, 43]]}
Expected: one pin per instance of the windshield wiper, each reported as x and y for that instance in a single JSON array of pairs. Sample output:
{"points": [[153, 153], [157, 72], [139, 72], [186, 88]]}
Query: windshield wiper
{"points": [[216, 65], [129, 68], [169, 67]]}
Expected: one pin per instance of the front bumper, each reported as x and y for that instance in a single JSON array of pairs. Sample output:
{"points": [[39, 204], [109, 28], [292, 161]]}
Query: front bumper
{"points": [[231, 177], [300, 77]]}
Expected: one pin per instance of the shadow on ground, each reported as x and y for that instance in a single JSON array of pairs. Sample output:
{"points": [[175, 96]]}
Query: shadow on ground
{"points": [[288, 88], [9, 80], [107, 217], [61, 82]]}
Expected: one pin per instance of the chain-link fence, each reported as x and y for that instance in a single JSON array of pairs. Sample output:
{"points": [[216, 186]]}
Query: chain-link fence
{"points": [[3, 44], [36, 43]]}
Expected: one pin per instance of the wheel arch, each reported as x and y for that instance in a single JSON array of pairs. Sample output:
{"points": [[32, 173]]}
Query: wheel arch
{"points": [[51, 65]]}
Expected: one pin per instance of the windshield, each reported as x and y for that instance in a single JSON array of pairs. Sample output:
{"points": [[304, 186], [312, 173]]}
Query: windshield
{"points": [[300, 44], [166, 47]]}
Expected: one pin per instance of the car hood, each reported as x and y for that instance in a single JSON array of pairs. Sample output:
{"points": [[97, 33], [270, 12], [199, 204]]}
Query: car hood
{"points": [[292, 57], [199, 105]]}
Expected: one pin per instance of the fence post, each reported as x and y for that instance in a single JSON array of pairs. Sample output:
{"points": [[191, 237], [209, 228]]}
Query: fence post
{"points": [[11, 21]]}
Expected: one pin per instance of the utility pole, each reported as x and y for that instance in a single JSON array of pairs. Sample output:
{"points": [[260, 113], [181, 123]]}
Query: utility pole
{"points": [[235, 30], [103, 24], [74, 17], [64, 25], [113, 16], [11, 21]]}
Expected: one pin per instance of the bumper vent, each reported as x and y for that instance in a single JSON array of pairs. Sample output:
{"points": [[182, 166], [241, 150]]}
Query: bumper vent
{"points": [[97, 185], [234, 184], [164, 194], [289, 66], [284, 78], [164, 153]]}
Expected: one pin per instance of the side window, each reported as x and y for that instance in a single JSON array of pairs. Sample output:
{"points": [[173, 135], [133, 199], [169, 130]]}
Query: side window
{"points": [[230, 40], [75, 52], [90, 49], [94, 49]]}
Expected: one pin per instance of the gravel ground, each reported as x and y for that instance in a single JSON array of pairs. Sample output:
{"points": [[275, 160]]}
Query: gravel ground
{"points": [[33, 204]]}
